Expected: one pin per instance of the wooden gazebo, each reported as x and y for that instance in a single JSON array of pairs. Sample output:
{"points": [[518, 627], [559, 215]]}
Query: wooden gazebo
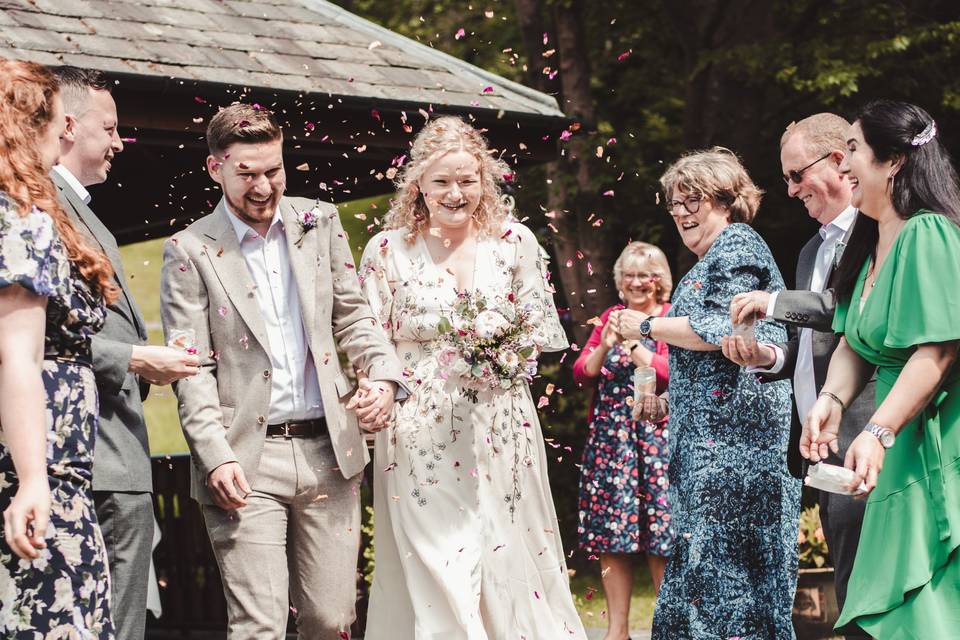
{"points": [[350, 94]]}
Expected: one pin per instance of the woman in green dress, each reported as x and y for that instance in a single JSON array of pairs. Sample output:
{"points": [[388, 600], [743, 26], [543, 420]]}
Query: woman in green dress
{"points": [[898, 289]]}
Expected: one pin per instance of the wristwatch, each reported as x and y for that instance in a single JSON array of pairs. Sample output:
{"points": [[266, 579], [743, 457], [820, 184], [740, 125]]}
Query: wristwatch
{"points": [[884, 435], [645, 328]]}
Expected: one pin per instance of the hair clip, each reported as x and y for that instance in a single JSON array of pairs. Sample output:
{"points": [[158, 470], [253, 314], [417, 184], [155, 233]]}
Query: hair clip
{"points": [[925, 136]]}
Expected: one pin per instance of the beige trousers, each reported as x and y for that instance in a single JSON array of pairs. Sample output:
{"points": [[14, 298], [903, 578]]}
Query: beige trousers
{"points": [[293, 547]]}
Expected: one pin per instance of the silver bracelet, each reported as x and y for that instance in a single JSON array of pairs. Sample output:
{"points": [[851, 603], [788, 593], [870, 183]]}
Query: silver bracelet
{"points": [[833, 396]]}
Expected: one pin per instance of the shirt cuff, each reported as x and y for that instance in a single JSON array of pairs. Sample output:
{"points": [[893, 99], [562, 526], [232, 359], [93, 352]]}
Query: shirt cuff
{"points": [[772, 303], [777, 365]]}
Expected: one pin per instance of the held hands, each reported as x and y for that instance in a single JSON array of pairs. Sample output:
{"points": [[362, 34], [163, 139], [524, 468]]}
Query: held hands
{"points": [[163, 365], [609, 338], [821, 430], [747, 353], [228, 486], [373, 402], [626, 323], [651, 407], [752, 303], [25, 520]]}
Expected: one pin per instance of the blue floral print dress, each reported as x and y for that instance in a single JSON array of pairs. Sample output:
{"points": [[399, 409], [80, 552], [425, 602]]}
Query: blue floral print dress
{"points": [[65, 592], [732, 574]]}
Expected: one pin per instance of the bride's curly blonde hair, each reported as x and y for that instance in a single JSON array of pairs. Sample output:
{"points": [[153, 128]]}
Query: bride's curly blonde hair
{"points": [[408, 210]]}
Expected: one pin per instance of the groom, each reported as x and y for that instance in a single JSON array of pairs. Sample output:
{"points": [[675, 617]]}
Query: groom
{"points": [[264, 289]]}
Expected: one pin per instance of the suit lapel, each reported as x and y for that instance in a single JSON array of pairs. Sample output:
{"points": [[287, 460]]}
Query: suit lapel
{"points": [[805, 272], [96, 232], [303, 262], [228, 262]]}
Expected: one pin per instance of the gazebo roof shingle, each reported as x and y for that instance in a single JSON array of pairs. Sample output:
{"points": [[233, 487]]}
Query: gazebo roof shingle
{"points": [[310, 46]]}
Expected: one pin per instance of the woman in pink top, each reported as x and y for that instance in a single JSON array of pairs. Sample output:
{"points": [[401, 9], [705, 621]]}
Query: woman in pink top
{"points": [[624, 509]]}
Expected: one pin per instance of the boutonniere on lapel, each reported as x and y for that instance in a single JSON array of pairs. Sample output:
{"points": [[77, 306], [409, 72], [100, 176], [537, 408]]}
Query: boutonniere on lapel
{"points": [[307, 221]]}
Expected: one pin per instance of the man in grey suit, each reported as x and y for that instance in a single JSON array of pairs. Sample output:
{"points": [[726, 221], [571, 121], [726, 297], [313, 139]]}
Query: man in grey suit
{"points": [[265, 289], [123, 363], [810, 154]]}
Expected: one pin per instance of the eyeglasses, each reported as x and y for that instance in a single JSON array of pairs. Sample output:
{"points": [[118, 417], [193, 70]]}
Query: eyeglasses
{"points": [[641, 276], [796, 176], [690, 203]]}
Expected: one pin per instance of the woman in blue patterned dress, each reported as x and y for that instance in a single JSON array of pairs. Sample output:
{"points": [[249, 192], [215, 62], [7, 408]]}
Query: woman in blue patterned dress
{"points": [[735, 506], [624, 508], [54, 581]]}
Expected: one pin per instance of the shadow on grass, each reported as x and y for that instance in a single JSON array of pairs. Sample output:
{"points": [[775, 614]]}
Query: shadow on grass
{"points": [[592, 605]]}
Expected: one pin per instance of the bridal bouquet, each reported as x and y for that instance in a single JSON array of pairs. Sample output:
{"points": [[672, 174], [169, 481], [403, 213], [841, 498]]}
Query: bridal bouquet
{"points": [[487, 344]]}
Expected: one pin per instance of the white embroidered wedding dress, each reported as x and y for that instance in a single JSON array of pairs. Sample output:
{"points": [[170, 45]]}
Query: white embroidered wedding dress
{"points": [[466, 539]]}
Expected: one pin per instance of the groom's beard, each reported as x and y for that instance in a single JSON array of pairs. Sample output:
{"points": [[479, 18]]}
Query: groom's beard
{"points": [[255, 214]]}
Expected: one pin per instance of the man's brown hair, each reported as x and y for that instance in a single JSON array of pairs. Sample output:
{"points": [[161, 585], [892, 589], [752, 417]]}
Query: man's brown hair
{"points": [[241, 123]]}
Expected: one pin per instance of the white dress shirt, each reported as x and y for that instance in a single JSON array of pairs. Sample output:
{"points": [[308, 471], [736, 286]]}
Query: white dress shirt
{"points": [[294, 388], [804, 381], [72, 181]]}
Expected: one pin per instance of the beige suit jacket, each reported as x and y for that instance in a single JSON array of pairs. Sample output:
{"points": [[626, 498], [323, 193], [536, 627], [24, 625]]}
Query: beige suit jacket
{"points": [[206, 287]]}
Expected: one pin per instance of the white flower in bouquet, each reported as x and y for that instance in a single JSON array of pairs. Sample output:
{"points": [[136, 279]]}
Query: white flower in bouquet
{"points": [[490, 324], [508, 359]]}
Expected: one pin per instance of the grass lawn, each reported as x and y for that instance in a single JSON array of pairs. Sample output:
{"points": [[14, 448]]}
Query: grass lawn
{"points": [[590, 601]]}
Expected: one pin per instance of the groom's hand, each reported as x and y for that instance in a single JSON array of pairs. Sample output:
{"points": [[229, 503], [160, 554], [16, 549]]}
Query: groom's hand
{"points": [[228, 486], [373, 403]]}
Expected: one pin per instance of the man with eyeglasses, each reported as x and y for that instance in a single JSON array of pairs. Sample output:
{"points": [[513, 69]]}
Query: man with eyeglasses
{"points": [[810, 153]]}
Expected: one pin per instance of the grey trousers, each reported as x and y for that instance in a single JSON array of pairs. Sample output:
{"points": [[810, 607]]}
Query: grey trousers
{"points": [[842, 517], [126, 520], [296, 542]]}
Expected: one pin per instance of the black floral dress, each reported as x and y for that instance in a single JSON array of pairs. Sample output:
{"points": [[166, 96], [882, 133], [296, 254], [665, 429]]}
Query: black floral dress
{"points": [[735, 506], [624, 505], [65, 592]]}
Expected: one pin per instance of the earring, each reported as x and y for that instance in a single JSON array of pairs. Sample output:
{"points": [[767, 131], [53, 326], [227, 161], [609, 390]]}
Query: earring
{"points": [[620, 293]]}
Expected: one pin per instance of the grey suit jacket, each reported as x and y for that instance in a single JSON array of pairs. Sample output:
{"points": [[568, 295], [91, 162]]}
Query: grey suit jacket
{"points": [[206, 287], [121, 459], [815, 310]]}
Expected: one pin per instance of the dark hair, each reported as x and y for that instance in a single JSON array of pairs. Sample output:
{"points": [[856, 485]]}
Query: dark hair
{"points": [[241, 123], [925, 180], [76, 85]]}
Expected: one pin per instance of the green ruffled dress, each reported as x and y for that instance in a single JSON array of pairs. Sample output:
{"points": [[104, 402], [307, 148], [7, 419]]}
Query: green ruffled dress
{"points": [[905, 582]]}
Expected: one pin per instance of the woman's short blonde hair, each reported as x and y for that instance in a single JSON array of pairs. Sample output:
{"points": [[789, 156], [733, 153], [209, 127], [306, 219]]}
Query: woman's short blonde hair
{"points": [[654, 258], [408, 210], [717, 174]]}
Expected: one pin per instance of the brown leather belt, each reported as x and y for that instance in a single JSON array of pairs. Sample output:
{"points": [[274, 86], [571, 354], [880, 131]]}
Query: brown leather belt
{"points": [[297, 429]]}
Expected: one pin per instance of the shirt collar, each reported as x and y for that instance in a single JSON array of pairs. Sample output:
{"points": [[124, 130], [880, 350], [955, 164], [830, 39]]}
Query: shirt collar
{"points": [[839, 226], [73, 183], [242, 229]]}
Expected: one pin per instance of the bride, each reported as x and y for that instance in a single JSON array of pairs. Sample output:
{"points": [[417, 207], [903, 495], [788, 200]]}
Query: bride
{"points": [[466, 537]]}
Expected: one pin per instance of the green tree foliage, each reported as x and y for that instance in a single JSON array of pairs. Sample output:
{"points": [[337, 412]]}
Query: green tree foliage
{"points": [[664, 77]]}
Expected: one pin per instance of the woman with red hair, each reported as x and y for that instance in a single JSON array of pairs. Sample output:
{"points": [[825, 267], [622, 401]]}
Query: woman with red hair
{"points": [[53, 568]]}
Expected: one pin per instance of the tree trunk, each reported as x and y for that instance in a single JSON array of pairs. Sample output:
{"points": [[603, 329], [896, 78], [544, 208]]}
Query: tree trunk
{"points": [[584, 263]]}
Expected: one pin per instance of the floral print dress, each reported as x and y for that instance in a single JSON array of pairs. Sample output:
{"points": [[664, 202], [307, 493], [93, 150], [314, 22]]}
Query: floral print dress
{"points": [[624, 506], [65, 592], [466, 539], [733, 571]]}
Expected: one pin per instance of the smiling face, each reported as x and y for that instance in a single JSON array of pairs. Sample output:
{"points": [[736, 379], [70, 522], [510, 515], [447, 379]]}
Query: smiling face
{"points": [[823, 190], [698, 230], [91, 139], [49, 140], [452, 190], [639, 283], [869, 178], [252, 178]]}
